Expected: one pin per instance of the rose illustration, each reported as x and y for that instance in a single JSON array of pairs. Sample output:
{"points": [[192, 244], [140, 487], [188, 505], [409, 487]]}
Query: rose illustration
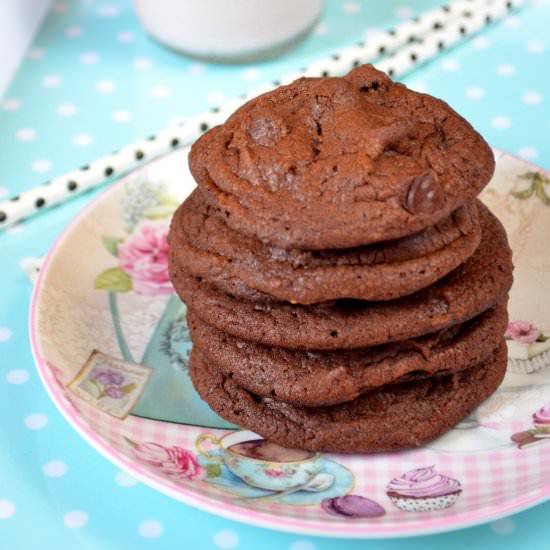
{"points": [[522, 331], [174, 461], [144, 257], [141, 255], [542, 416]]}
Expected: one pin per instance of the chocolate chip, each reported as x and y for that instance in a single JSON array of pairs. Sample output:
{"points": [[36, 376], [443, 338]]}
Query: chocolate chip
{"points": [[424, 195]]}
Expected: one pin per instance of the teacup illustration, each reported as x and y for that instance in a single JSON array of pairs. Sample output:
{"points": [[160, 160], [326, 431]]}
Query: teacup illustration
{"points": [[261, 463]]}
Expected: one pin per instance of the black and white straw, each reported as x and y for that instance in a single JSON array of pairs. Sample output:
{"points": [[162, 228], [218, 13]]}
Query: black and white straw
{"points": [[396, 51]]}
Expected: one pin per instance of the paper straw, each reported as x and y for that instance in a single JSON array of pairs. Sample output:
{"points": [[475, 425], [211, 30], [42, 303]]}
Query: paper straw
{"points": [[399, 50]]}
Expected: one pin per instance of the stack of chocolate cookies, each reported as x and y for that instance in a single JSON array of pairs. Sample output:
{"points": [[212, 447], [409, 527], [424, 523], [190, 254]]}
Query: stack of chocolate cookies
{"points": [[346, 291]]}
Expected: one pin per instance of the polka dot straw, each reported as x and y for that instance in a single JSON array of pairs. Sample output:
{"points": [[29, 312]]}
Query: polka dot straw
{"points": [[396, 51]]}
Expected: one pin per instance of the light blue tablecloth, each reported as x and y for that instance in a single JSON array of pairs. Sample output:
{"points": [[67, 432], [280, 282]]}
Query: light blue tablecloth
{"points": [[91, 82]]}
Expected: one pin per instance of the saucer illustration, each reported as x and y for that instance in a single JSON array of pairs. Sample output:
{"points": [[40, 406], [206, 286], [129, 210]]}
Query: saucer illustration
{"points": [[254, 469]]}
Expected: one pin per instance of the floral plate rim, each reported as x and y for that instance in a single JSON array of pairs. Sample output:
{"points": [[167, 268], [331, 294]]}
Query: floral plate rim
{"points": [[229, 510]]}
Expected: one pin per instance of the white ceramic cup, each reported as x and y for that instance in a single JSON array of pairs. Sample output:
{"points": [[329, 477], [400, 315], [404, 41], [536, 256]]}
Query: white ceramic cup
{"points": [[229, 30]]}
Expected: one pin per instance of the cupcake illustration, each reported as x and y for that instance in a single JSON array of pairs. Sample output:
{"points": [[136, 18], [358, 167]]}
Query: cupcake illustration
{"points": [[539, 433], [541, 417], [528, 347], [423, 490]]}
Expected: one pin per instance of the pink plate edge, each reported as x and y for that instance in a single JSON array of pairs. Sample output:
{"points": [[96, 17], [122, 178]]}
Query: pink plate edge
{"points": [[230, 511]]}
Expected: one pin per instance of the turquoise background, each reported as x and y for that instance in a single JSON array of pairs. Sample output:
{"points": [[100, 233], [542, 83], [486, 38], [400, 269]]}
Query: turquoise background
{"points": [[500, 81]]}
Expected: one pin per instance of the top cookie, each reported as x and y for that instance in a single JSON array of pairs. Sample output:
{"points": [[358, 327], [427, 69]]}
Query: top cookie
{"points": [[340, 162]]}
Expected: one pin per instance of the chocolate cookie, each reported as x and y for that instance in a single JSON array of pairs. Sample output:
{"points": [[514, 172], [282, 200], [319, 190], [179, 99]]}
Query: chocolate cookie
{"points": [[207, 247], [329, 163], [316, 379], [470, 289], [391, 418]]}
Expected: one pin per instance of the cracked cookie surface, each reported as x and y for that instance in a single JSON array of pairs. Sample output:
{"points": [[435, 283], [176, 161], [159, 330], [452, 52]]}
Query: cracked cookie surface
{"points": [[391, 418], [207, 247], [475, 286], [327, 378], [340, 162]]}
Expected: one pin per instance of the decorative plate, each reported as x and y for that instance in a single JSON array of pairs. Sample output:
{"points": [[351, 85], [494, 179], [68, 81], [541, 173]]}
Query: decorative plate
{"points": [[111, 345]]}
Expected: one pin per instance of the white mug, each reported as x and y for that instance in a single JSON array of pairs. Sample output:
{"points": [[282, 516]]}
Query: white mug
{"points": [[229, 30]]}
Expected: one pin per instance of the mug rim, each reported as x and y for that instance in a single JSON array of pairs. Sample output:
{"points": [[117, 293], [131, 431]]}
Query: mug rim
{"points": [[315, 455]]}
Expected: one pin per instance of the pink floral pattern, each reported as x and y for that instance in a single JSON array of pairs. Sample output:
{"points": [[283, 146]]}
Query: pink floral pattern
{"points": [[114, 392], [274, 473], [175, 462], [539, 433], [144, 257], [542, 415], [108, 383], [522, 331], [106, 376]]}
